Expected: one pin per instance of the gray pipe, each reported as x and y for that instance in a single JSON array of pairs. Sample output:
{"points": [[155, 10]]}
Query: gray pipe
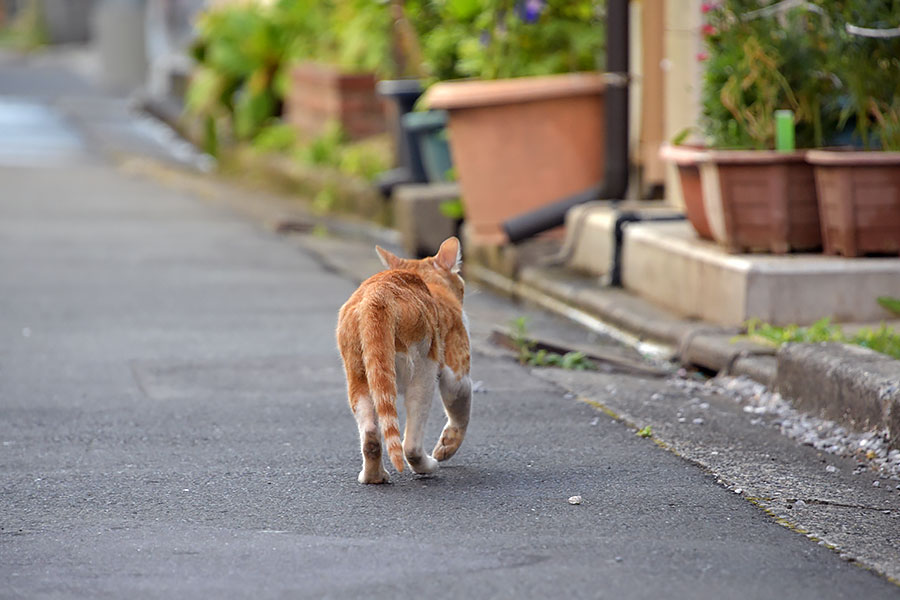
{"points": [[615, 174]]}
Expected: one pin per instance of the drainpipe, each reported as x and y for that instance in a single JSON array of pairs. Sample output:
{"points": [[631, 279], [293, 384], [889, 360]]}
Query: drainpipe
{"points": [[615, 176]]}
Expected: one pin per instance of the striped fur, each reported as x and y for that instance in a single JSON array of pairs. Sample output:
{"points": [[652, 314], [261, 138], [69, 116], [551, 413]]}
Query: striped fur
{"points": [[408, 315]]}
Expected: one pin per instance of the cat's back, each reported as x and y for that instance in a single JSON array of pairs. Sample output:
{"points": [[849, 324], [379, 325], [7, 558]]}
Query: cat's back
{"points": [[391, 286], [395, 291], [397, 299]]}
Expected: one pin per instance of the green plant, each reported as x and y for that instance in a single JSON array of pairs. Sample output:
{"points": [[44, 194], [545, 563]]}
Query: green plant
{"points": [[26, 31], [363, 161], [493, 39], [884, 339], [452, 209], [889, 303], [244, 54], [332, 149], [868, 67], [361, 37], [645, 432], [239, 50], [527, 355], [523, 343], [759, 61], [326, 199], [326, 148], [277, 137]]}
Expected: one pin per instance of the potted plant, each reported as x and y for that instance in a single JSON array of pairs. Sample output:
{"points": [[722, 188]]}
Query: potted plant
{"points": [[686, 160], [753, 196], [336, 68], [859, 191], [527, 128]]}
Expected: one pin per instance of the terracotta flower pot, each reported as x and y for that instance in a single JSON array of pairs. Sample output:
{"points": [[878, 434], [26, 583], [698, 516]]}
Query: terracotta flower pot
{"points": [[519, 144], [320, 94], [686, 160], [760, 200], [859, 200]]}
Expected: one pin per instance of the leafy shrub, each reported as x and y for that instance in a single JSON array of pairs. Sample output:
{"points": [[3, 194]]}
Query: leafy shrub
{"points": [[759, 61], [809, 57], [365, 159], [240, 50], [492, 39], [868, 68], [26, 30], [244, 53], [279, 137], [884, 339]]}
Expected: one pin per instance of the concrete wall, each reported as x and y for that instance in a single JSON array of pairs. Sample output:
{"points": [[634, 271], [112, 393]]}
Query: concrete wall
{"points": [[683, 77]]}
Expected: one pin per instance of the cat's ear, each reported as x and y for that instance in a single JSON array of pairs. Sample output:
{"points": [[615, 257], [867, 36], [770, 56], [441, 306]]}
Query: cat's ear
{"points": [[449, 256], [390, 260]]}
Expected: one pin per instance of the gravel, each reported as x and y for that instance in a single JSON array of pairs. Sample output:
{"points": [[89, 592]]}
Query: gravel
{"points": [[869, 448]]}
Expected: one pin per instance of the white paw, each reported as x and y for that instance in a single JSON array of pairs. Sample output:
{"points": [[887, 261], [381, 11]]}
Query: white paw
{"points": [[423, 465], [381, 477]]}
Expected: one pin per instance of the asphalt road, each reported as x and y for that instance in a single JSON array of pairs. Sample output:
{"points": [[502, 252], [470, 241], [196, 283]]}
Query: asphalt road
{"points": [[174, 425]]}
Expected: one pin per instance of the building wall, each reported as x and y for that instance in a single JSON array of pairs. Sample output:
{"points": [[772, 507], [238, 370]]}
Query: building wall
{"points": [[683, 77]]}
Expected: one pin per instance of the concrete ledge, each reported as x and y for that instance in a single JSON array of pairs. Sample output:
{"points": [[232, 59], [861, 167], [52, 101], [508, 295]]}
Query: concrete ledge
{"points": [[591, 236], [667, 264], [418, 216], [612, 305], [852, 385]]}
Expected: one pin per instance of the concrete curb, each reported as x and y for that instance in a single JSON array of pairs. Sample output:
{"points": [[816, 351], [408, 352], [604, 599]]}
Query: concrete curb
{"points": [[844, 383]]}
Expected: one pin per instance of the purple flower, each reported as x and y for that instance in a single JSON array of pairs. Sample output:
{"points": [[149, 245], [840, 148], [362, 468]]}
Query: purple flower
{"points": [[530, 10]]}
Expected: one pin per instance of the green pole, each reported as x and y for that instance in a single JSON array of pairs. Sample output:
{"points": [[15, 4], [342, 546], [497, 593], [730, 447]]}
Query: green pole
{"points": [[784, 131]]}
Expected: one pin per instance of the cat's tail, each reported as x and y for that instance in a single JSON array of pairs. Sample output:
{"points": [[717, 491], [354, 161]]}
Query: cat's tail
{"points": [[378, 355]]}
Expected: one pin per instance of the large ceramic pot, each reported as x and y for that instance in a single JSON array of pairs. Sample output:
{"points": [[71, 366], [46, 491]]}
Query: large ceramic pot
{"points": [[520, 144], [760, 200], [859, 201]]}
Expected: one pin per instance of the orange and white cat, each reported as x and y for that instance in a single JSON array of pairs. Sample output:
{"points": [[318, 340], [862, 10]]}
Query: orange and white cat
{"points": [[403, 332]]}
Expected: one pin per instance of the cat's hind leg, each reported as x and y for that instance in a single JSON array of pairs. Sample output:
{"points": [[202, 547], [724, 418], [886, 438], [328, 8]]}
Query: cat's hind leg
{"points": [[456, 394], [370, 441], [418, 397]]}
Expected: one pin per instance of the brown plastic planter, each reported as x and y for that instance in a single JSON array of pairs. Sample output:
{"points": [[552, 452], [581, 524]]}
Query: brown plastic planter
{"points": [[686, 160], [760, 200], [520, 144], [321, 94], [859, 200]]}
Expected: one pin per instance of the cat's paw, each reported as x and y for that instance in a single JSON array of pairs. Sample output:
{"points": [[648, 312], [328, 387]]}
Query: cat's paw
{"points": [[381, 477], [449, 443], [422, 464]]}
